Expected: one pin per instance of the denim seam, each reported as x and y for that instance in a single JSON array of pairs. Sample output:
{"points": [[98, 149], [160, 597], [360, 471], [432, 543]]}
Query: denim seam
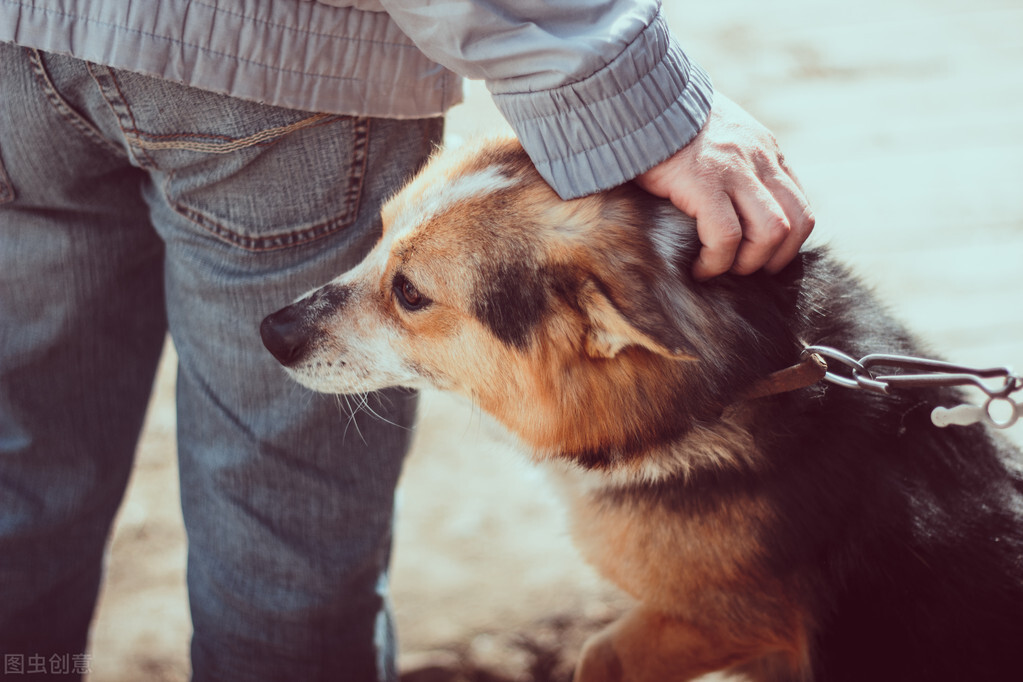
{"points": [[352, 200], [66, 111], [118, 103], [357, 174], [324, 120], [224, 144], [7, 194]]}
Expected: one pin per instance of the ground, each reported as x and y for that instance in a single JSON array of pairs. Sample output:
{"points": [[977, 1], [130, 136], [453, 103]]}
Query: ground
{"points": [[902, 120]]}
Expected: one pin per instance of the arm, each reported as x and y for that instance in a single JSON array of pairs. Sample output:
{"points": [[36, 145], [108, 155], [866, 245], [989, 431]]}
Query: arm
{"points": [[600, 93]]}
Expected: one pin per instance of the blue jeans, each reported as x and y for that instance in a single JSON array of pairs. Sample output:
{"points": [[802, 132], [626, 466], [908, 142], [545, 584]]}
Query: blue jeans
{"points": [[130, 206]]}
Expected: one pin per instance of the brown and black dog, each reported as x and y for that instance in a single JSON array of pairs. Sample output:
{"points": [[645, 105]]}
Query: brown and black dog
{"points": [[819, 534]]}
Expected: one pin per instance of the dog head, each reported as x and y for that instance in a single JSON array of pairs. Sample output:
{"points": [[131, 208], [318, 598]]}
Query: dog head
{"points": [[576, 323]]}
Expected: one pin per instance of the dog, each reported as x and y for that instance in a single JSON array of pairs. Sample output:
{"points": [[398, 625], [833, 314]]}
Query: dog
{"points": [[816, 534]]}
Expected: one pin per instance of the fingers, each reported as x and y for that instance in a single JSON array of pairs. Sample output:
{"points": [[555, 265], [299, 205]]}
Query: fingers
{"points": [[720, 232], [776, 220], [760, 225], [801, 223], [786, 189], [765, 227]]}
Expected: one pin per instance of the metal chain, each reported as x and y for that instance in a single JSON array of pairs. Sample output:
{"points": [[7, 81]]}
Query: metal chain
{"points": [[1000, 410]]}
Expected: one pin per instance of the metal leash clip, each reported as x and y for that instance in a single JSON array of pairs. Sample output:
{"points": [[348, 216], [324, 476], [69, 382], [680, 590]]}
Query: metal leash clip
{"points": [[1000, 410]]}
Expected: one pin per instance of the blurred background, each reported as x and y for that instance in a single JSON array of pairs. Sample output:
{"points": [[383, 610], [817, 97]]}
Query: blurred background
{"points": [[904, 122]]}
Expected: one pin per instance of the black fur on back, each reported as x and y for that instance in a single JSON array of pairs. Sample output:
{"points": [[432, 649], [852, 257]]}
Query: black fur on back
{"points": [[908, 537]]}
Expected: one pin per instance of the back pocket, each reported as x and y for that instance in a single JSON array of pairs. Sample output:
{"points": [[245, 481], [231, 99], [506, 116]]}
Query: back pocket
{"points": [[256, 176], [292, 190]]}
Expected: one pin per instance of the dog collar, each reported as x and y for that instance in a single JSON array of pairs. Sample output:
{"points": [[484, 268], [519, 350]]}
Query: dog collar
{"points": [[806, 372]]}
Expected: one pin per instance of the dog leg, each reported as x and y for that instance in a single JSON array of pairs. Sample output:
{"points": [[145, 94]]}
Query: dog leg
{"points": [[647, 646]]}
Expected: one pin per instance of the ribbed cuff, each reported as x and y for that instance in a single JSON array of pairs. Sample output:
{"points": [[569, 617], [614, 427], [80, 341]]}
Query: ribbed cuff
{"points": [[602, 131]]}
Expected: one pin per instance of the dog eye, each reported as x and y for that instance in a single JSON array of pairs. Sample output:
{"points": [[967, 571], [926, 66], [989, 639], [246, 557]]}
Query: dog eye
{"points": [[409, 297]]}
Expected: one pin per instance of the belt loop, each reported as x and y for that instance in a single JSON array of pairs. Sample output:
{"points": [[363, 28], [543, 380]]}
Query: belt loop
{"points": [[111, 91]]}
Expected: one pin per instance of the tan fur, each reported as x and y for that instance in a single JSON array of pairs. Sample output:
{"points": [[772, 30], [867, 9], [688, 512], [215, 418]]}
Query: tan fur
{"points": [[693, 577]]}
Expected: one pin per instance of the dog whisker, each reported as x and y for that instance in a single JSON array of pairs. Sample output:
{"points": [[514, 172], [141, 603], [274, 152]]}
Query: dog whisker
{"points": [[344, 404], [365, 406]]}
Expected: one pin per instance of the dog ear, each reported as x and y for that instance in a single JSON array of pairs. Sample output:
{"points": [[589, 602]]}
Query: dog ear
{"points": [[640, 323]]}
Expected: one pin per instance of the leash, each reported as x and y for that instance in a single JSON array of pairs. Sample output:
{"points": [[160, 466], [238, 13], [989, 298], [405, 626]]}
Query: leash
{"points": [[808, 371], [1000, 410]]}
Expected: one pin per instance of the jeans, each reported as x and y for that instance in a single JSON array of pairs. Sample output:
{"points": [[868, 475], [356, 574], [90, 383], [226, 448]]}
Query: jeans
{"points": [[130, 206]]}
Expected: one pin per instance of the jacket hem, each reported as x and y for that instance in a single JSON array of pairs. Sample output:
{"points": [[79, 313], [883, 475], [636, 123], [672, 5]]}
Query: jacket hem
{"points": [[297, 55]]}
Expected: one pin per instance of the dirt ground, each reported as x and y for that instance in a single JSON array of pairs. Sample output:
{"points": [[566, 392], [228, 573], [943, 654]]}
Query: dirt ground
{"points": [[902, 119]]}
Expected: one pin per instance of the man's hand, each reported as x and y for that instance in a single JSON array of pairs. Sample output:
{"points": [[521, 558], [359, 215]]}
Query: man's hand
{"points": [[750, 211]]}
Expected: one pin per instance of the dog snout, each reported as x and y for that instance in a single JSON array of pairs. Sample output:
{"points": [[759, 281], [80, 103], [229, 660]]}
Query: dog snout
{"points": [[286, 334], [289, 332]]}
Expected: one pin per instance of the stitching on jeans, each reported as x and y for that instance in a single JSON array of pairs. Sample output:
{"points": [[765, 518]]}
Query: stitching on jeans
{"points": [[227, 145], [283, 240], [6, 186], [227, 138], [360, 156], [145, 142], [150, 162], [66, 111]]}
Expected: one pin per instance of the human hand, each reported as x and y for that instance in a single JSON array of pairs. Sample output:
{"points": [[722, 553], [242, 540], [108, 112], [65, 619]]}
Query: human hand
{"points": [[750, 211]]}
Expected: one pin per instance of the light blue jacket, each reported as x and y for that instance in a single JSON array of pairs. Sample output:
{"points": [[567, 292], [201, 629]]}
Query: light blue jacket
{"points": [[598, 91]]}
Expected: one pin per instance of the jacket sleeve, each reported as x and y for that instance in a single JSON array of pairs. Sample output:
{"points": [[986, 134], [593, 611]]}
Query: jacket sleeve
{"points": [[598, 91]]}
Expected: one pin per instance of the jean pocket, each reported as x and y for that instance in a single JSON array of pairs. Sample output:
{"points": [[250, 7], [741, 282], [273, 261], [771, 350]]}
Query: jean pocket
{"points": [[297, 187], [256, 176], [6, 187]]}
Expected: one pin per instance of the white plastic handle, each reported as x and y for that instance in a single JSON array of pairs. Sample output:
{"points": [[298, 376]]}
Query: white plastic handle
{"points": [[964, 415]]}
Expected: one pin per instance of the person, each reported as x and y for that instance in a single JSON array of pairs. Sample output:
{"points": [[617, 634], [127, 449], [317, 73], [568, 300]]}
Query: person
{"points": [[190, 166]]}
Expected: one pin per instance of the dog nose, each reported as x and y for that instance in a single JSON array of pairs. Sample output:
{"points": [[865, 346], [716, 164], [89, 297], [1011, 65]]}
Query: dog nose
{"points": [[285, 335]]}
